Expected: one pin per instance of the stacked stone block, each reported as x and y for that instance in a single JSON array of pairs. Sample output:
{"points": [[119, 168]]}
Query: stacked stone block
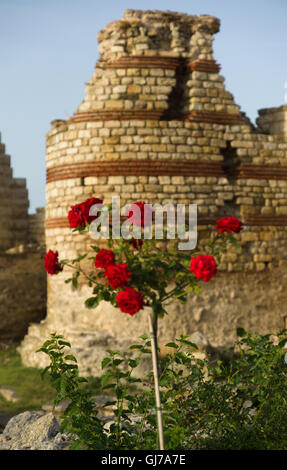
{"points": [[273, 120], [14, 205], [20, 204], [37, 226], [5, 208], [184, 164]]}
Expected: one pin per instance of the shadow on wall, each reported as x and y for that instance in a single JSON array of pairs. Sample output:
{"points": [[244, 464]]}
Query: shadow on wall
{"points": [[22, 292]]}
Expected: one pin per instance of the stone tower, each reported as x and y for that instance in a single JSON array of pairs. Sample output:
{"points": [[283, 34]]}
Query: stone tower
{"points": [[158, 125]]}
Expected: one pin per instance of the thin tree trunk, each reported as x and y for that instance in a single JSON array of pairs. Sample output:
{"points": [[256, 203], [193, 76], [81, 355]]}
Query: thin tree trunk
{"points": [[153, 333]]}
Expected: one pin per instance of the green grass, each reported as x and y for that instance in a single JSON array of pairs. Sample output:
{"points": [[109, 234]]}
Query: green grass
{"points": [[33, 392]]}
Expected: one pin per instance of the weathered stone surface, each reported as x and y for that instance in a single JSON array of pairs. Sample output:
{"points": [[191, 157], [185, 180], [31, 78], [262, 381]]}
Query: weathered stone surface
{"points": [[17, 227], [226, 302], [9, 394], [200, 340], [22, 289], [22, 293], [56, 409], [273, 120], [33, 430]]}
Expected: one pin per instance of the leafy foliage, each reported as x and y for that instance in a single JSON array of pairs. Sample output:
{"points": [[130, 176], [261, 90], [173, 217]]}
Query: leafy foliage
{"points": [[80, 418], [235, 402]]}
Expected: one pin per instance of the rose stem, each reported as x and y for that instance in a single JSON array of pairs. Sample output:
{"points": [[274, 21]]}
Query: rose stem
{"points": [[153, 333]]}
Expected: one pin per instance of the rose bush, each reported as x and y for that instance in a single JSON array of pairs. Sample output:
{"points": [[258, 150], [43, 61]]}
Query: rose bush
{"points": [[136, 273]]}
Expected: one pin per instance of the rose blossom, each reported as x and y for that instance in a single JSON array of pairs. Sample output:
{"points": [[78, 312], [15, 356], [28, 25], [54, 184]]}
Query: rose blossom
{"points": [[130, 301], [136, 243], [51, 262], [117, 274], [203, 267], [104, 258], [79, 214], [139, 219], [228, 224]]}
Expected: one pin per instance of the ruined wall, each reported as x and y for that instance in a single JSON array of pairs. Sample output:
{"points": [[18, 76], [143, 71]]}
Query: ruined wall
{"points": [[36, 232], [17, 227], [5, 210], [273, 120], [22, 277], [14, 205], [158, 125], [22, 293]]}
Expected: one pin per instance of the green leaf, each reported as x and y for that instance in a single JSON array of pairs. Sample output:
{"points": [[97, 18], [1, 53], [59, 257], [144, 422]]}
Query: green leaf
{"points": [[109, 403], [240, 332], [70, 357], [113, 353], [71, 366], [92, 302], [64, 343], [106, 295], [134, 363], [77, 444], [133, 380], [108, 386], [172, 345], [47, 343], [120, 392], [95, 248], [117, 362], [75, 280], [105, 362], [189, 343]]}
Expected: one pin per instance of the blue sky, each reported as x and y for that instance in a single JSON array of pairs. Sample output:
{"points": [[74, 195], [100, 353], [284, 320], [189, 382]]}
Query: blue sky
{"points": [[48, 49]]}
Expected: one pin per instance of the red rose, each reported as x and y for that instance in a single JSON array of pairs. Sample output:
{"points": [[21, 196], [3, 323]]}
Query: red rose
{"points": [[137, 244], [228, 224], [51, 262], [104, 258], [203, 266], [139, 213], [130, 301], [117, 274], [79, 214]]}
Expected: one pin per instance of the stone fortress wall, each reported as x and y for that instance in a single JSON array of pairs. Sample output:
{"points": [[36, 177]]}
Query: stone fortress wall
{"points": [[17, 226], [22, 241], [14, 205], [158, 125], [37, 226]]}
